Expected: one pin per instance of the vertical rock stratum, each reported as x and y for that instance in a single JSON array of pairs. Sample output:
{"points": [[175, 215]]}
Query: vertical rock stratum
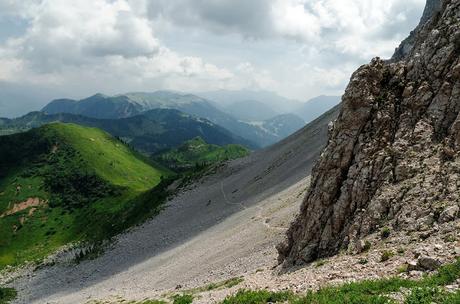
{"points": [[393, 153]]}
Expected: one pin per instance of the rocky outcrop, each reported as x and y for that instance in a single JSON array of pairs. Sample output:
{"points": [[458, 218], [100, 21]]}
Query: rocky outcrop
{"points": [[393, 154], [432, 7]]}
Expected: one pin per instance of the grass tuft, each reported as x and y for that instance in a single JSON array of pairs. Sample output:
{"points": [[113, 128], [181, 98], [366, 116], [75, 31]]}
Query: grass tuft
{"points": [[183, 299], [258, 297]]}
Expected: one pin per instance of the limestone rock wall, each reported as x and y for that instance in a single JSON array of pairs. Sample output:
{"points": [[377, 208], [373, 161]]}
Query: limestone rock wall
{"points": [[393, 153]]}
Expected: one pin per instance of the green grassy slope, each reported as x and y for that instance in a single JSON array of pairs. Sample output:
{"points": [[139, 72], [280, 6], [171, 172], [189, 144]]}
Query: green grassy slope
{"points": [[63, 183], [197, 152]]}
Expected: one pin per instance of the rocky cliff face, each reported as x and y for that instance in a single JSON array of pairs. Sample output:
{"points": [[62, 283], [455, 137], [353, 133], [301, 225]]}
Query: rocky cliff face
{"points": [[432, 7], [393, 154]]}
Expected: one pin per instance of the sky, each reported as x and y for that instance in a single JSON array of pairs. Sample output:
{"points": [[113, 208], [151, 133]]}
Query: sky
{"points": [[297, 48]]}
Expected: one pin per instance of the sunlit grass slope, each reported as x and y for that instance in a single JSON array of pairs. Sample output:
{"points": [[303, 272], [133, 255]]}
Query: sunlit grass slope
{"points": [[63, 183]]}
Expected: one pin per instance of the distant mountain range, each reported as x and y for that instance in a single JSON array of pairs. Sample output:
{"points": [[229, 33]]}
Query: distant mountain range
{"points": [[150, 132], [316, 107], [283, 125], [254, 123], [131, 104], [252, 106], [279, 104], [250, 110]]}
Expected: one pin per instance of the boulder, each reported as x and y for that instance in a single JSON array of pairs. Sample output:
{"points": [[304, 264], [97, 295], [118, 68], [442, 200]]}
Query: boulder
{"points": [[449, 214], [428, 263]]}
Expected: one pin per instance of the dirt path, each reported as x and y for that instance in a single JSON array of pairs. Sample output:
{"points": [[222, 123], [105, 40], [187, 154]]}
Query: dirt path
{"points": [[227, 201]]}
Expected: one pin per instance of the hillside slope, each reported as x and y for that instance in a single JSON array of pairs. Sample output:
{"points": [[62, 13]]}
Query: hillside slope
{"points": [[197, 153], [63, 183], [220, 227], [393, 155], [149, 132]]}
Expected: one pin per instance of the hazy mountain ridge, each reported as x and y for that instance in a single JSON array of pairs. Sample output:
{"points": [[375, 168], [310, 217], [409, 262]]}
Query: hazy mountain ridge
{"points": [[315, 107], [123, 106], [250, 110], [283, 125], [277, 103], [149, 132]]}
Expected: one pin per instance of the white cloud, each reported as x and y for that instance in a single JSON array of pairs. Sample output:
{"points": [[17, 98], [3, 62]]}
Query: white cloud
{"points": [[94, 39], [299, 48], [74, 33]]}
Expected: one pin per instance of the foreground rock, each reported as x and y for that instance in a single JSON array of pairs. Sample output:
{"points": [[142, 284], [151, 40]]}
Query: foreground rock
{"points": [[392, 159]]}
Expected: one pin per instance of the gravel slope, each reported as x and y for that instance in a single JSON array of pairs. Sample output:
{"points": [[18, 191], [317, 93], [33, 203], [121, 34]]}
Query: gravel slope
{"points": [[225, 225]]}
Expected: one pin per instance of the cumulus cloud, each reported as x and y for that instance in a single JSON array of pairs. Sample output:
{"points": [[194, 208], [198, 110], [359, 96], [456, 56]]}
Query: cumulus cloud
{"points": [[62, 33], [299, 48], [308, 21], [89, 39]]}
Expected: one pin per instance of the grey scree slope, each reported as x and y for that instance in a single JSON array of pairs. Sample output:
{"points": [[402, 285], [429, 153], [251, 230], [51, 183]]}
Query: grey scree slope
{"points": [[179, 245]]}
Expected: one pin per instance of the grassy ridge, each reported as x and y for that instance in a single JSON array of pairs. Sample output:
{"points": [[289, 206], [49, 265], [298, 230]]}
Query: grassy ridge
{"points": [[110, 159], [63, 183], [197, 152]]}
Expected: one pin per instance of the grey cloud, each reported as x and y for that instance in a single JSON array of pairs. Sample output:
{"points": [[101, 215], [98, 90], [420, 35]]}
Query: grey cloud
{"points": [[395, 27], [56, 38], [249, 18]]}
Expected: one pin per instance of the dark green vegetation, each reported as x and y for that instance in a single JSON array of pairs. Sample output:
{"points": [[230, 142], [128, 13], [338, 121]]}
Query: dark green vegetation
{"points": [[149, 132], [63, 183], [183, 299], [7, 295], [196, 153], [256, 297], [427, 290]]}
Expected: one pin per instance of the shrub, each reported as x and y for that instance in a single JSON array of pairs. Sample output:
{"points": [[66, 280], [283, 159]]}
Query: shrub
{"points": [[367, 246], [385, 233], [183, 299], [320, 263], [7, 295], [386, 255], [402, 268], [426, 295]]}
